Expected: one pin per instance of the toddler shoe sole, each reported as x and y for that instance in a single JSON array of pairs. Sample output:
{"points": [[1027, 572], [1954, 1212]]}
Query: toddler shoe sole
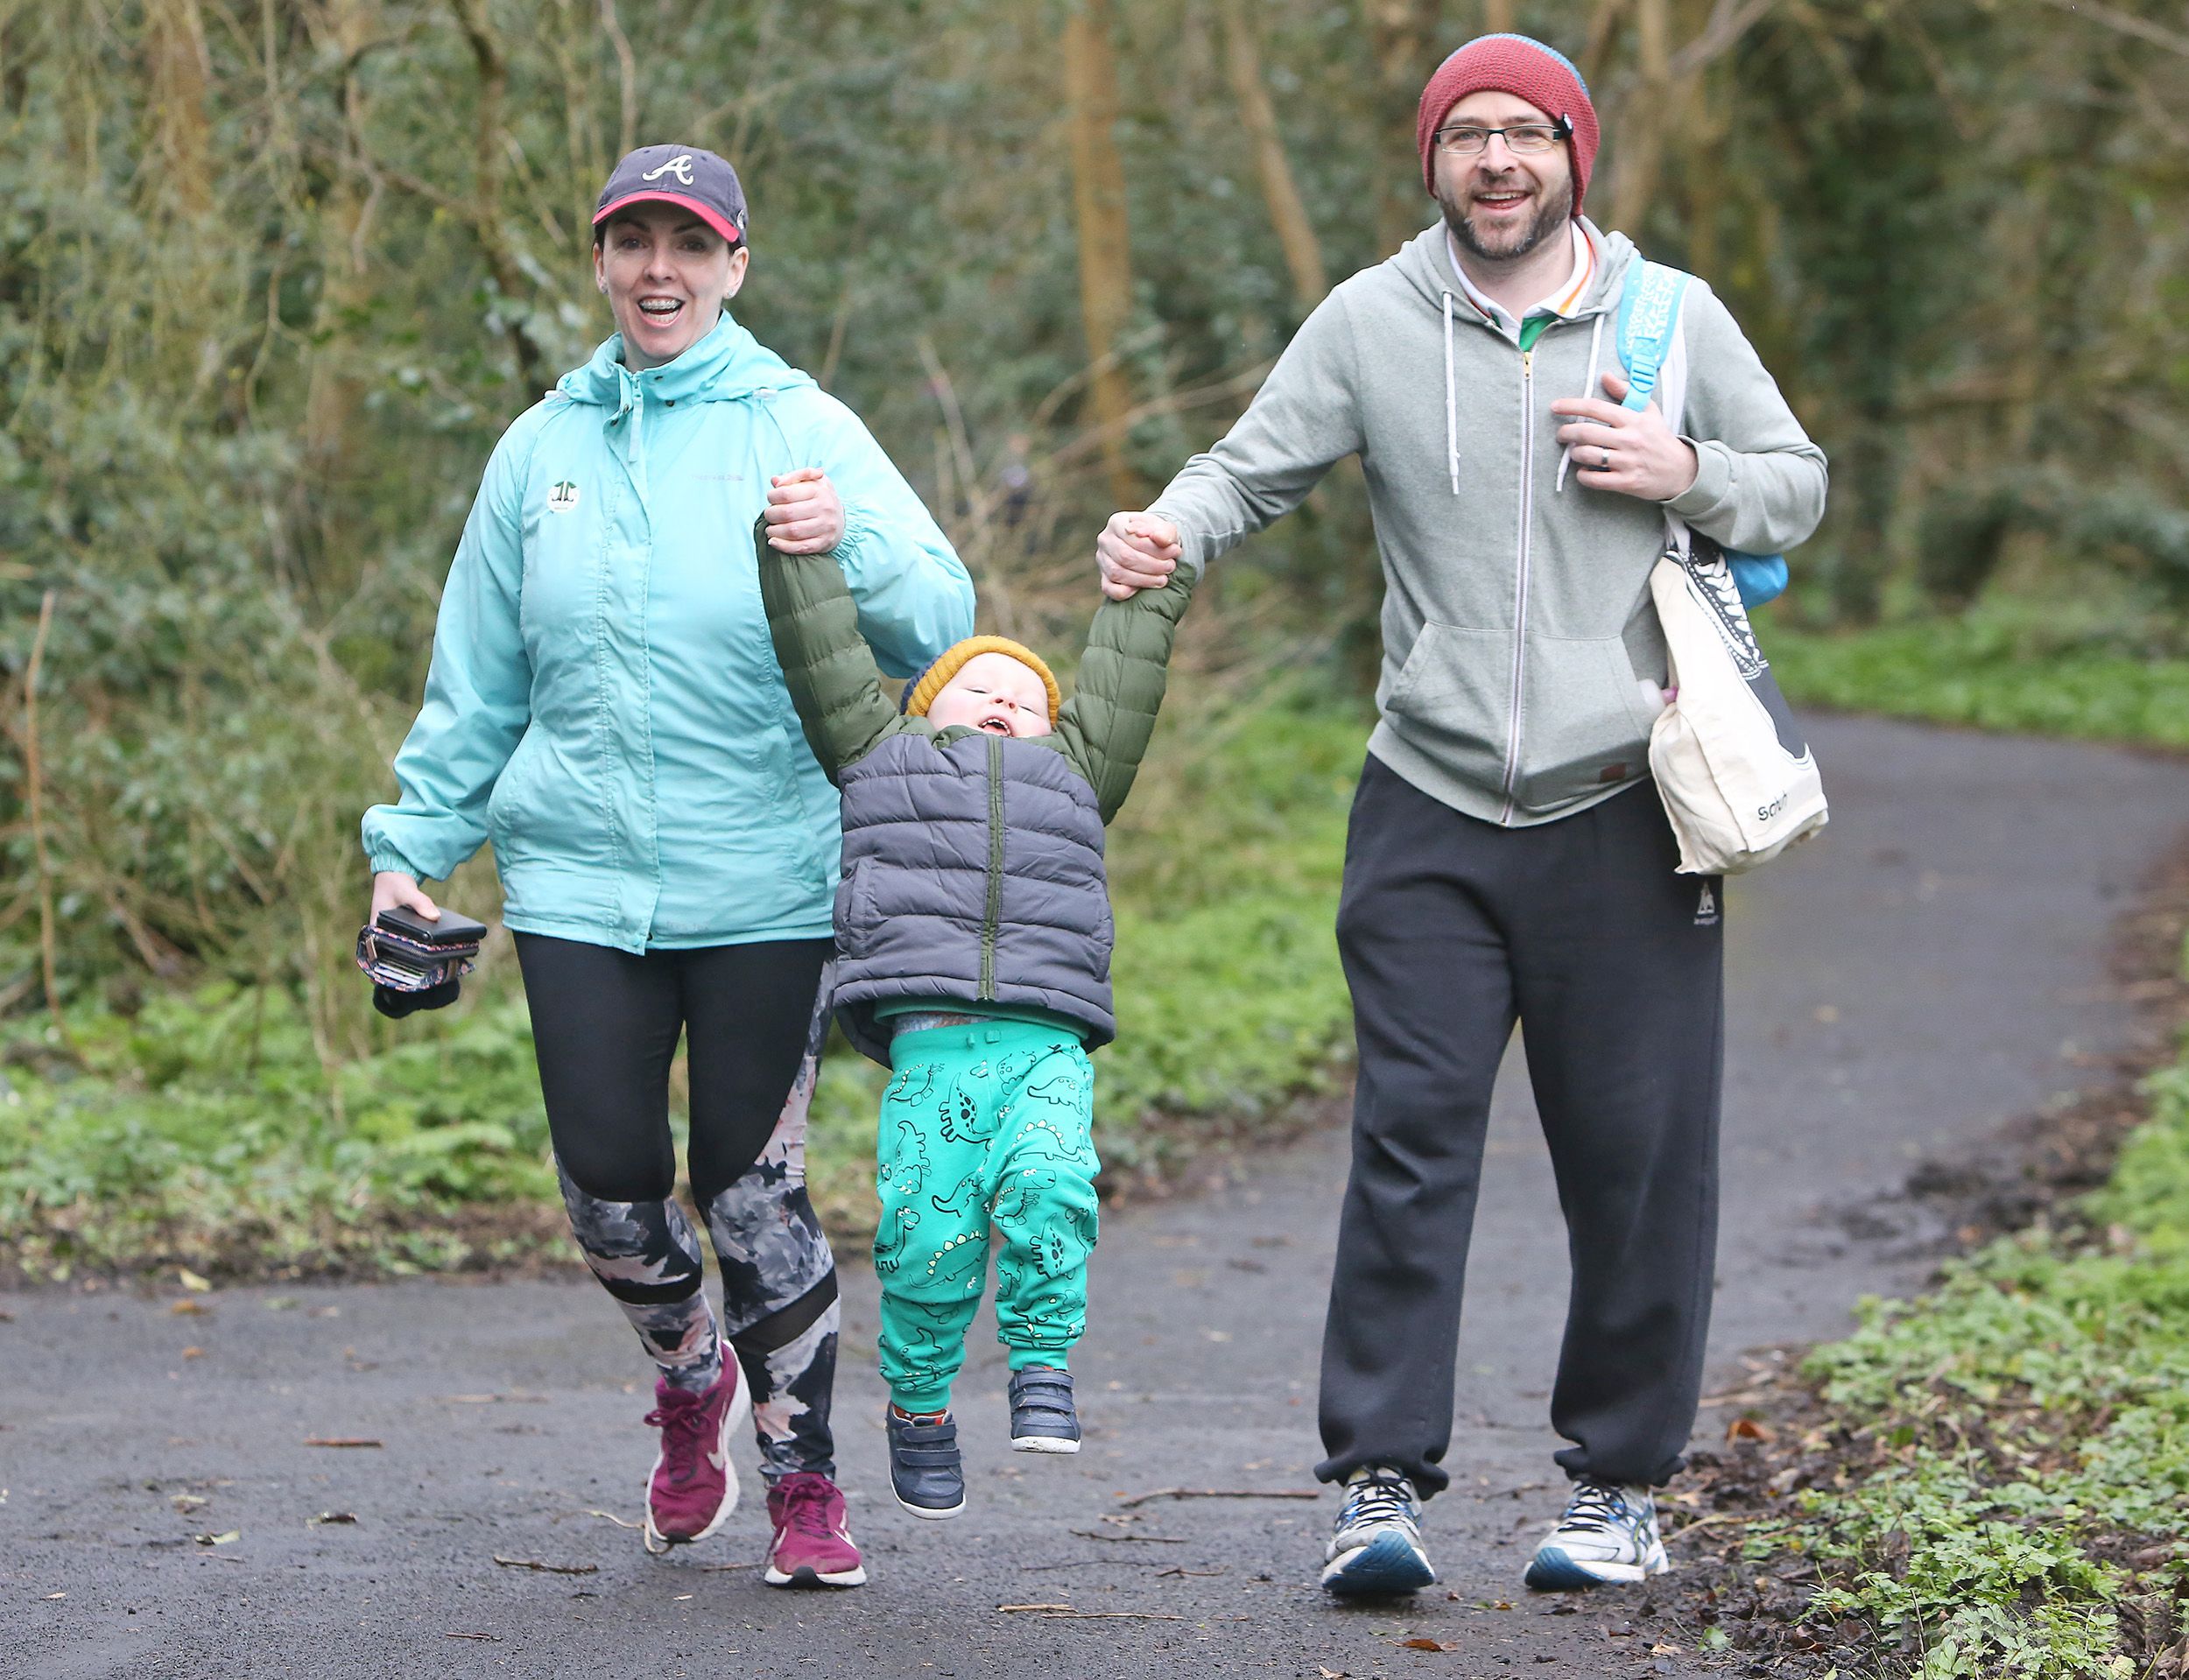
{"points": [[1043, 1444], [931, 1513]]}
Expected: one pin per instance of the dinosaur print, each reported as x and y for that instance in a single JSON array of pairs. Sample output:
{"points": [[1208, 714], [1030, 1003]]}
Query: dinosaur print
{"points": [[965, 1195], [902, 1088], [1063, 1091], [962, 1121], [906, 1174], [1045, 1137], [889, 1243]]}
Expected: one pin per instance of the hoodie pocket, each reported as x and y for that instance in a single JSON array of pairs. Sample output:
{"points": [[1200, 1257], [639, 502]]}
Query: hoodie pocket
{"points": [[1452, 701], [1583, 725]]}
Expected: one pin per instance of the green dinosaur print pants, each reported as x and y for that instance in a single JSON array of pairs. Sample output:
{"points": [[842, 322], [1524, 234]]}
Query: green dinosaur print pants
{"points": [[984, 1128]]}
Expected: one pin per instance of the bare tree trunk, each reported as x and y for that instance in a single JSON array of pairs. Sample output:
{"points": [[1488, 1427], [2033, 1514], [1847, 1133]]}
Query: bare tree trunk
{"points": [[1280, 190], [1604, 24], [345, 27], [486, 209], [181, 69], [1098, 196], [1646, 117], [1400, 31]]}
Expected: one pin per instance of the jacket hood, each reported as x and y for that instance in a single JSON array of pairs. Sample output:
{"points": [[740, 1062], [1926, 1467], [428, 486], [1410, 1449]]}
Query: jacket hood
{"points": [[1425, 264], [729, 363]]}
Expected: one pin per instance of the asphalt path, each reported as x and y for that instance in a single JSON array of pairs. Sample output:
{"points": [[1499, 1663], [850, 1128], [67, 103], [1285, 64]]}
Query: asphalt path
{"points": [[1930, 968]]}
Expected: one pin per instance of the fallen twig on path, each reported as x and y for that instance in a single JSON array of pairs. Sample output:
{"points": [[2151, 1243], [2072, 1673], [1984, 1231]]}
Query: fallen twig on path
{"points": [[1065, 1613], [491, 1639], [1220, 1492], [546, 1568], [1708, 1521], [344, 1440], [1117, 1539]]}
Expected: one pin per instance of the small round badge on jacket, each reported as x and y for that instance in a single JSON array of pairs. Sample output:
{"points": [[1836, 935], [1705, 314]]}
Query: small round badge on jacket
{"points": [[562, 497]]}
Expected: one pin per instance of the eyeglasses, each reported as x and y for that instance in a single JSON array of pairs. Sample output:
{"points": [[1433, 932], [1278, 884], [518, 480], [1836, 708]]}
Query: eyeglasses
{"points": [[1467, 141]]}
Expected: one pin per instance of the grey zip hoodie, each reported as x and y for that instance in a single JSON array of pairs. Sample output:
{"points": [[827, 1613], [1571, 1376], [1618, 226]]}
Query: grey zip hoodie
{"points": [[1517, 624]]}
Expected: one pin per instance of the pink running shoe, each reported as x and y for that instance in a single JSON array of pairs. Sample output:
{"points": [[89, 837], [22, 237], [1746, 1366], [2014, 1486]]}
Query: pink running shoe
{"points": [[693, 1486], [813, 1542]]}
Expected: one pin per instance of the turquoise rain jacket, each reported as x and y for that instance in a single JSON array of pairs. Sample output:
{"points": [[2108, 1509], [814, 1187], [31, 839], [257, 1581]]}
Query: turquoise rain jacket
{"points": [[604, 703]]}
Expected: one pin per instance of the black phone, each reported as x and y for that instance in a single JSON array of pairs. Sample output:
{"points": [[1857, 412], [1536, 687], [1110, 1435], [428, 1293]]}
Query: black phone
{"points": [[452, 928]]}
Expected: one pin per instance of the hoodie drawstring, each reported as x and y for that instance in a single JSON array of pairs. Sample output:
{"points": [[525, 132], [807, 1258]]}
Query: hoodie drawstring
{"points": [[1451, 402], [1589, 388]]}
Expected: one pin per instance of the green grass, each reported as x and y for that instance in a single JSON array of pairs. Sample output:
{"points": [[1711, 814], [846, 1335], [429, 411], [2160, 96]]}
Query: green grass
{"points": [[216, 1128], [1991, 671], [2023, 1501]]}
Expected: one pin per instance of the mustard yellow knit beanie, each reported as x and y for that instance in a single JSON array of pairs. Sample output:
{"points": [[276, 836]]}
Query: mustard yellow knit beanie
{"points": [[920, 692]]}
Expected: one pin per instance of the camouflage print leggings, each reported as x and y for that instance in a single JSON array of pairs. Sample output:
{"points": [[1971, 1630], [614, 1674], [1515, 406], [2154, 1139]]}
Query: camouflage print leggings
{"points": [[605, 1026]]}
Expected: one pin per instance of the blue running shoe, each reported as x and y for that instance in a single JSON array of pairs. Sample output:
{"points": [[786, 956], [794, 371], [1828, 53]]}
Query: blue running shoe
{"points": [[1043, 1418], [1607, 1536], [926, 1471], [1376, 1548]]}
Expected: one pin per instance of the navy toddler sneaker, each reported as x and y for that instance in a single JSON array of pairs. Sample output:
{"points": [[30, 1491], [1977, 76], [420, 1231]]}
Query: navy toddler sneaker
{"points": [[926, 1471], [1043, 1418]]}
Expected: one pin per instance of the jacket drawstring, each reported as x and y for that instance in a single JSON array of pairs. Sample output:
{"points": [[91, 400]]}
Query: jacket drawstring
{"points": [[1589, 388], [1451, 402]]}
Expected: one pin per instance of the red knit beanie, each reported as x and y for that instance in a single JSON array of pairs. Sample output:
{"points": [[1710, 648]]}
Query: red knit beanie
{"points": [[1524, 68]]}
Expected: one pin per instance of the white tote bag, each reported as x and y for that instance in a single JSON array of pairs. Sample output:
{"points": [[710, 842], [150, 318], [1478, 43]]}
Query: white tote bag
{"points": [[1738, 782]]}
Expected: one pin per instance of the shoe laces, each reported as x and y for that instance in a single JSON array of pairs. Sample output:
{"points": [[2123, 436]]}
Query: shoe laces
{"points": [[680, 1420], [807, 1507], [1379, 1495], [1596, 1507]]}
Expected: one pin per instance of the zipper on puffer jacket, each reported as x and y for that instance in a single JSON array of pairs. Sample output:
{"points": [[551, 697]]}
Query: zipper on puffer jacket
{"points": [[1520, 609], [992, 918]]}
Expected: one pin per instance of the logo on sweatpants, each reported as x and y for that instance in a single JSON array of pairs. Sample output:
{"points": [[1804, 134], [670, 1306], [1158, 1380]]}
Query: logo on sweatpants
{"points": [[1706, 908]]}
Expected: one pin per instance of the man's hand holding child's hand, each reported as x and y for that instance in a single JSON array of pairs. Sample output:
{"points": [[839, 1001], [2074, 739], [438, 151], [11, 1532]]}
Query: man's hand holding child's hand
{"points": [[1136, 552], [805, 515]]}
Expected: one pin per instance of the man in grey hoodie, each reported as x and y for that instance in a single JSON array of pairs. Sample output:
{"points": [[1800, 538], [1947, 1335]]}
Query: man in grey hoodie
{"points": [[1508, 859]]}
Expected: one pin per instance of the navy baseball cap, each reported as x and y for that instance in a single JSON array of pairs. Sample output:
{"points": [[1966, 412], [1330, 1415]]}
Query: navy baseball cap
{"points": [[699, 180]]}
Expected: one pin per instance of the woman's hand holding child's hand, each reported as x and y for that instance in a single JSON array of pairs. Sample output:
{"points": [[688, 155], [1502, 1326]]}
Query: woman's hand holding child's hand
{"points": [[804, 515]]}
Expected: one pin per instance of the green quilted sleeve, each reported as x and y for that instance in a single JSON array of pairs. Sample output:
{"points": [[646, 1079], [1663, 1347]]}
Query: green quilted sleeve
{"points": [[1107, 723], [826, 664]]}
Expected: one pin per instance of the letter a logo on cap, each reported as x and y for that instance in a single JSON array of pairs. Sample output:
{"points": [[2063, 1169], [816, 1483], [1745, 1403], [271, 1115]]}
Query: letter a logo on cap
{"points": [[680, 165]]}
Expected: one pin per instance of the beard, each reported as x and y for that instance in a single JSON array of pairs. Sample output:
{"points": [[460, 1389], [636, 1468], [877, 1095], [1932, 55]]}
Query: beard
{"points": [[1554, 208]]}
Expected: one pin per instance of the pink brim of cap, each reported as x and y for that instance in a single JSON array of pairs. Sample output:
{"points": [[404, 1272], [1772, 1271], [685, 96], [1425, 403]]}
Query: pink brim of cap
{"points": [[711, 216]]}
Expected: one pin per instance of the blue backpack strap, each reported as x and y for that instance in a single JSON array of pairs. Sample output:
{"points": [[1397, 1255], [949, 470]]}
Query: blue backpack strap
{"points": [[1648, 315], [1649, 303]]}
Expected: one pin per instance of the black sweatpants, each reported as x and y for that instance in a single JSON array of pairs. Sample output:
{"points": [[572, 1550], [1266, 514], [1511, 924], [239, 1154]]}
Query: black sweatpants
{"points": [[1451, 929], [605, 1027]]}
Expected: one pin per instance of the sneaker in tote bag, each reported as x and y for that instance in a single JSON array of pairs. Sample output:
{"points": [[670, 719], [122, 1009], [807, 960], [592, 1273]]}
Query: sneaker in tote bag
{"points": [[1738, 782]]}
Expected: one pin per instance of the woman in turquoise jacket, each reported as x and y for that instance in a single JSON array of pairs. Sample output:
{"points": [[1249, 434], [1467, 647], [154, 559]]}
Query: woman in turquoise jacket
{"points": [[604, 705]]}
